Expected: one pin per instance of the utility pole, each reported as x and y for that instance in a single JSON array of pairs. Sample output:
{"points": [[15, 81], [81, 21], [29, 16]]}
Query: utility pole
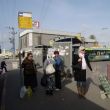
{"points": [[12, 39]]}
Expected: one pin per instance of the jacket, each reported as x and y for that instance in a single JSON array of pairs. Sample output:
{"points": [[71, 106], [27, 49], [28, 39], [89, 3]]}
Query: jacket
{"points": [[78, 65], [28, 66]]}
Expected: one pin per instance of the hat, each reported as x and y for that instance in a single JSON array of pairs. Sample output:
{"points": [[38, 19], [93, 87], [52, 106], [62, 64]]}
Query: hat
{"points": [[81, 48]]}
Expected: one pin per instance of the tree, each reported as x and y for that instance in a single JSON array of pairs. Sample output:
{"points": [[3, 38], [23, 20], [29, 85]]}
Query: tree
{"points": [[92, 37]]}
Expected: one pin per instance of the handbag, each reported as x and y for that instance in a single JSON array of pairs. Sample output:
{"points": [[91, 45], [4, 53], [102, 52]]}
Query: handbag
{"points": [[50, 69], [44, 80], [23, 91], [77, 66]]}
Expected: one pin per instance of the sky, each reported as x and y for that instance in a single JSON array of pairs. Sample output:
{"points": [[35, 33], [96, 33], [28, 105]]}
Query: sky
{"points": [[78, 16]]}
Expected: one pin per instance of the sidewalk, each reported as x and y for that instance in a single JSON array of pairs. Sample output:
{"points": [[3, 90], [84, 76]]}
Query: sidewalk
{"points": [[65, 99]]}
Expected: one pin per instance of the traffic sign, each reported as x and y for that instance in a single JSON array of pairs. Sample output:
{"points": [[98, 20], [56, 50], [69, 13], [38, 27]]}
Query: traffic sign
{"points": [[25, 20]]}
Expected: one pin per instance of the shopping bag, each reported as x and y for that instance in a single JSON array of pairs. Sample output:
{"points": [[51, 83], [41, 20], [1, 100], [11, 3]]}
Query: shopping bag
{"points": [[44, 80], [50, 69], [29, 91], [23, 91]]}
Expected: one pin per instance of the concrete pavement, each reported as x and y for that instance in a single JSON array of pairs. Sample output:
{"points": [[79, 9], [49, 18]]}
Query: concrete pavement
{"points": [[65, 99]]}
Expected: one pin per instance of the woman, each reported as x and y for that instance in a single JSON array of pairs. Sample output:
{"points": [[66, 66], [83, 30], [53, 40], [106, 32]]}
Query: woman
{"points": [[80, 71], [29, 72], [49, 76], [58, 69]]}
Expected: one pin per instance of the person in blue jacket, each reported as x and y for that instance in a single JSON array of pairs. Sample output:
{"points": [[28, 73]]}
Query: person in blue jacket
{"points": [[58, 68]]}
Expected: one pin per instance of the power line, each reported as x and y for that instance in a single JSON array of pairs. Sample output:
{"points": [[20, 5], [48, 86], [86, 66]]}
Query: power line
{"points": [[44, 9], [12, 38]]}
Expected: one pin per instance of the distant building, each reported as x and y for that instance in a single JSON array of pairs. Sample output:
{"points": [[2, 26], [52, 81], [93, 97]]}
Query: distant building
{"points": [[38, 41], [90, 42], [6, 54], [32, 38]]}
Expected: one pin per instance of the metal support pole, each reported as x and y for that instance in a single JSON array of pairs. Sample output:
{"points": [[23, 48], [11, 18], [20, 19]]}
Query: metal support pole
{"points": [[20, 61]]}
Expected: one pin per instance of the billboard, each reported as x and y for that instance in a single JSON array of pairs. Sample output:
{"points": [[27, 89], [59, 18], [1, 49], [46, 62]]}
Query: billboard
{"points": [[25, 20]]}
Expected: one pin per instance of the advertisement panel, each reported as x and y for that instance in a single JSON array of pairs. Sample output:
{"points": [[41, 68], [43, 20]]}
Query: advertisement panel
{"points": [[25, 20]]}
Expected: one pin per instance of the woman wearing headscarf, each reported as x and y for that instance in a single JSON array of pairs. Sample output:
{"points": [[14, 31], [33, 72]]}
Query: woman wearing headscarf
{"points": [[80, 70], [49, 76]]}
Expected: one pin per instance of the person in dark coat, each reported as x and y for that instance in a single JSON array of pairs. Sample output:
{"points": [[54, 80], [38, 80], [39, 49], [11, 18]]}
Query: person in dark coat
{"points": [[74, 62], [29, 72], [79, 67], [3, 66], [58, 68]]}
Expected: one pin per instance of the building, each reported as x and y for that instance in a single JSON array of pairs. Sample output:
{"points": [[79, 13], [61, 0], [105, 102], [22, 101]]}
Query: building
{"points": [[32, 38], [38, 41], [90, 42]]}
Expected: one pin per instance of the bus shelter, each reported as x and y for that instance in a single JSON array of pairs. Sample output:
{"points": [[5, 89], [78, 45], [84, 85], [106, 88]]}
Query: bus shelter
{"points": [[40, 54], [67, 47]]}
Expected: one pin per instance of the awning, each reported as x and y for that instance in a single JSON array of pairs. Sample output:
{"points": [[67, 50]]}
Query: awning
{"points": [[74, 40], [42, 46]]}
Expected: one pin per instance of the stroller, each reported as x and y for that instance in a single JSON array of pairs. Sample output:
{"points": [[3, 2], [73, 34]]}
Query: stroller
{"points": [[50, 84]]}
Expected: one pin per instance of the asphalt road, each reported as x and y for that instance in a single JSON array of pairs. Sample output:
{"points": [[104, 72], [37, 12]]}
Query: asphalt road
{"points": [[4, 75], [2, 79], [65, 99]]}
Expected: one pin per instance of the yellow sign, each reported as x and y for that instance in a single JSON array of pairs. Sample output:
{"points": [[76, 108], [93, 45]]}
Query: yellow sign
{"points": [[24, 20]]}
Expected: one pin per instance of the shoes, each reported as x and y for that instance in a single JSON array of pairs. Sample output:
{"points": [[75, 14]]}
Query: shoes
{"points": [[33, 90], [49, 92]]}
